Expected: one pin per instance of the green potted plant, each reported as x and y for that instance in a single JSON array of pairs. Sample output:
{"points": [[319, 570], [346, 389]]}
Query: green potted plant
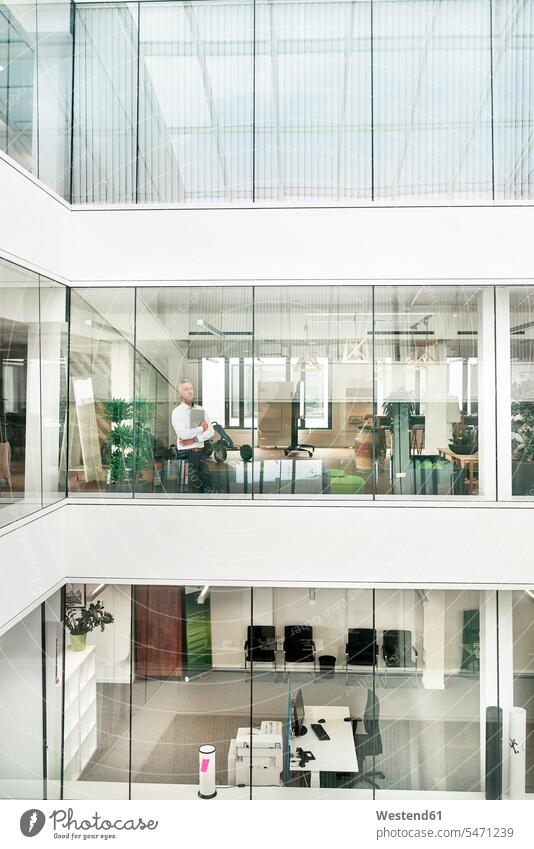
{"points": [[523, 439], [81, 620], [129, 448], [465, 441]]}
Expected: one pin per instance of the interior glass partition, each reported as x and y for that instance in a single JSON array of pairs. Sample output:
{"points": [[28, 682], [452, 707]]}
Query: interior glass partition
{"points": [[431, 357], [190, 691], [22, 773], [97, 692], [399, 680], [513, 116], [17, 87], [521, 340], [20, 394], [35, 88], [313, 128], [194, 391], [432, 100], [53, 644], [313, 391], [102, 452], [53, 354], [430, 673], [523, 684]]}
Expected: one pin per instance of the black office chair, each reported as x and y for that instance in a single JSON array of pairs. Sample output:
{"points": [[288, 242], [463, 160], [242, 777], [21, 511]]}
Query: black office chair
{"points": [[398, 650], [299, 646], [260, 645], [368, 744], [361, 648]]}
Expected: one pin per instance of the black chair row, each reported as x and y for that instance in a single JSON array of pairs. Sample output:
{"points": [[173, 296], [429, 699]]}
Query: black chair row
{"points": [[361, 648], [397, 648], [261, 646]]}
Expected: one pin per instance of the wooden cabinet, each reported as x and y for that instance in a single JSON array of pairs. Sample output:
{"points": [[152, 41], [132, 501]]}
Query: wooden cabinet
{"points": [[158, 632]]}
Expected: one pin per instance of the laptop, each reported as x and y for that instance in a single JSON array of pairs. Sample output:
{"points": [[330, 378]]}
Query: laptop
{"points": [[197, 416]]}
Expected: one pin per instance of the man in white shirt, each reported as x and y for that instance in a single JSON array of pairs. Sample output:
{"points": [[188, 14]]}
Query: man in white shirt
{"points": [[190, 440]]}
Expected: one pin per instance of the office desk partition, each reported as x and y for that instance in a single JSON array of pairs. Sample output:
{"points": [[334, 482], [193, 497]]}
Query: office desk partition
{"points": [[335, 755]]}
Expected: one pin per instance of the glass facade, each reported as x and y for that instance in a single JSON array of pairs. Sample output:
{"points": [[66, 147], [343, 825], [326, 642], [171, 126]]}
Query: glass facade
{"points": [[33, 388], [324, 391], [36, 55], [249, 100], [307, 391], [399, 679]]}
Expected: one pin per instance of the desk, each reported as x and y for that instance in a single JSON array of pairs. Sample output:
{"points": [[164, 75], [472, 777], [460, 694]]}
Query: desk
{"points": [[335, 755], [467, 462]]}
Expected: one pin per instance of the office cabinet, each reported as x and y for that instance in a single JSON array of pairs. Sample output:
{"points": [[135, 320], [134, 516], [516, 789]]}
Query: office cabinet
{"points": [[158, 631]]}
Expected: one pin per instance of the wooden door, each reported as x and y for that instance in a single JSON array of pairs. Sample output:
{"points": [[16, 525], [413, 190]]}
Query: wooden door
{"points": [[158, 632]]}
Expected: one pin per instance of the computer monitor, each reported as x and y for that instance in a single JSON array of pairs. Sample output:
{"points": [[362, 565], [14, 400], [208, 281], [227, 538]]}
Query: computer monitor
{"points": [[297, 726]]}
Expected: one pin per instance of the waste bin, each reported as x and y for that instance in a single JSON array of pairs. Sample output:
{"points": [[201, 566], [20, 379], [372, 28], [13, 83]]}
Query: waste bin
{"points": [[327, 664]]}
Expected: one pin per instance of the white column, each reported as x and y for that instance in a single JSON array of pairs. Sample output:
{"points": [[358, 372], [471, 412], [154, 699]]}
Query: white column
{"points": [[506, 679], [32, 459], [488, 668], [434, 640], [486, 395], [503, 381], [51, 390]]}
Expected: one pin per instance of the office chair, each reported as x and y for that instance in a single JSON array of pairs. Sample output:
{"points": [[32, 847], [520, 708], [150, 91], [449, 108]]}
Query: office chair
{"points": [[398, 650], [299, 646], [370, 743], [361, 648], [295, 424], [260, 645]]}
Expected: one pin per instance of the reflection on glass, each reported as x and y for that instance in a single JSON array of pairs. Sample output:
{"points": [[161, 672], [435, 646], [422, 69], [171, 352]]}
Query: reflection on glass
{"points": [[195, 101], [21, 729], [432, 100], [321, 635], [522, 390], [428, 403], [428, 673], [53, 341], [17, 59], [313, 104], [20, 422], [103, 455], [54, 102], [523, 673], [313, 391], [53, 648], [190, 689], [193, 391], [105, 108], [97, 693], [398, 680], [513, 118]]}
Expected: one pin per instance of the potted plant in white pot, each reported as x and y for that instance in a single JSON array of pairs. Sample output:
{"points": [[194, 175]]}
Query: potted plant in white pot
{"points": [[80, 621]]}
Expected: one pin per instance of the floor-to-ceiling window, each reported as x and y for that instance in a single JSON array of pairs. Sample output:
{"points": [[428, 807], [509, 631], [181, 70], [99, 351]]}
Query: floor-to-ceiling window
{"points": [[33, 332]]}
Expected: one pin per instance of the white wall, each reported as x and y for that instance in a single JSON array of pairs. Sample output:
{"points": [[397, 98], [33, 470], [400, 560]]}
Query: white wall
{"points": [[246, 244], [34, 223], [315, 544], [114, 245], [32, 563]]}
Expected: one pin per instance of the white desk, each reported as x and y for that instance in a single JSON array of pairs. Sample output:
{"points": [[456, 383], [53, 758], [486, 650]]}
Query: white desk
{"points": [[335, 755]]}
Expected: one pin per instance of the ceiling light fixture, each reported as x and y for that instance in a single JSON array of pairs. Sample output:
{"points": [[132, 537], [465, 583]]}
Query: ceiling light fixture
{"points": [[203, 594]]}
